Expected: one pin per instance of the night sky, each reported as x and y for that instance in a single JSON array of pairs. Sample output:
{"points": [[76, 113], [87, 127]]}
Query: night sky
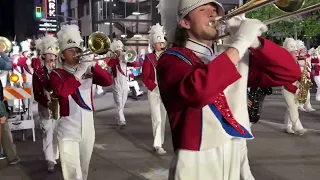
{"points": [[7, 18]]}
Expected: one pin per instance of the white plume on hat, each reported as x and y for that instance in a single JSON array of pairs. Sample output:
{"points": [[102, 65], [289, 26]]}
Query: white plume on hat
{"points": [[300, 44], [37, 44], [69, 37], [49, 45], [116, 45], [25, 46], [312, 51], [172, 11], [156, 34], [15, 50], [290, 44]]}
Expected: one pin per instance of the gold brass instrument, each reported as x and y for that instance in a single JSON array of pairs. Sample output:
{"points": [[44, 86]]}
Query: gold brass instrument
{"points": [[54, 106], [99, 44], [6, 43], [283, 5], [304, 86]]}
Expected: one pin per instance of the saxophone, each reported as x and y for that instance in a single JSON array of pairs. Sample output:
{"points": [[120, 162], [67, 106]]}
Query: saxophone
{"points": [[256, 96], [304, 86], [54, 106]]}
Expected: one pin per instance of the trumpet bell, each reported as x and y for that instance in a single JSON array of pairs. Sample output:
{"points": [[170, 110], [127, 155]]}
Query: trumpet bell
{"points": [[130, 55], [6, 43], [99, 43], [289, 5]]}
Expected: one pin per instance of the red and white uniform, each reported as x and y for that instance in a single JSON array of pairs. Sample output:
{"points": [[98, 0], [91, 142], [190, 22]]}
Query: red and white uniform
{"points": [[303, 59], [120, 86], [41, 89], [158, 112], [75, 128], [207, 104], [315, 60], [73, 86]]}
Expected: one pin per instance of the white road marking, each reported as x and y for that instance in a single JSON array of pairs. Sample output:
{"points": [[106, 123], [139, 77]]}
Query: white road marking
{"points": [[99, 146], [156, 174]]}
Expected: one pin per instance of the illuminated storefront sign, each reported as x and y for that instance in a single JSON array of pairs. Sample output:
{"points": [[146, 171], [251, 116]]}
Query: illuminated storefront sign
{"points": [[49, 23]]}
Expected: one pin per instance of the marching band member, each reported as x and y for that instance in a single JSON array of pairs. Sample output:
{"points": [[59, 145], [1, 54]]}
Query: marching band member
{"points": [[302, 59], [48, 47], [149, 78], [315, 60], [120, 85], [133, 83], [36, 61], [205, 96], [289, 91], [73, 85], [6, 141], [24, 63]]}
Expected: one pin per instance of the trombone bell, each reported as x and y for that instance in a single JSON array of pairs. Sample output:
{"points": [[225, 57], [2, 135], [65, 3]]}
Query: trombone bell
{"points": [[289, 5]]}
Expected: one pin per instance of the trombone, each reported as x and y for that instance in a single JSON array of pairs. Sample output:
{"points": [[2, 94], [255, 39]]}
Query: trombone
{"points": [[100, 45], [283, 5], [284, 17]]}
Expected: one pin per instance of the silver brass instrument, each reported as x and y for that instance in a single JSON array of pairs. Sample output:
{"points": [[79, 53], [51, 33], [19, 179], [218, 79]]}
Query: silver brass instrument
{"points": [[130, 56], [6, 43]]}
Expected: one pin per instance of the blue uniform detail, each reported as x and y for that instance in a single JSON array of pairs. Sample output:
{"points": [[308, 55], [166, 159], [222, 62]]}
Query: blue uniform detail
{"points": [[225, 124], [178, 54], [227, 127]]}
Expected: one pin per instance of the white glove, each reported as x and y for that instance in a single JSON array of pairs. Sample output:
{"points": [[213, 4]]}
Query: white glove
{"points": [[247, 34], [82, 68]]}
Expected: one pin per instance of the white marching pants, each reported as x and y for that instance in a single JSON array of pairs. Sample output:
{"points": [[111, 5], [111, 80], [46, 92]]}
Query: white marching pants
{"points": [[158, 117], [135, 85], [226, 162], [120, 96], [317, 80], [292, 121], [50, 144], [75, 156]]}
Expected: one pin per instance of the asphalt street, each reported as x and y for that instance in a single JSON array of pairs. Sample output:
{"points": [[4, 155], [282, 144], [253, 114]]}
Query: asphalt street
{"points": [[128, 155]]}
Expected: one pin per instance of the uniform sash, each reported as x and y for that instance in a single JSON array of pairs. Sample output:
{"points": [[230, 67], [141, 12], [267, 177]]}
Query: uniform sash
{"points": [[76, 96]]}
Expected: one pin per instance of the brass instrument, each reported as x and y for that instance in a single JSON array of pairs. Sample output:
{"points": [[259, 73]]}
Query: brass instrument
{"points": [[54, 106], [130, 56], [6, 43], [304, 86], [99, 44], [292, 8]]}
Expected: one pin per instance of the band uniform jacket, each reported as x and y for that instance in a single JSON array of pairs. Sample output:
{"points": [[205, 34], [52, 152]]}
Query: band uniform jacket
{"points": [[148, 73], [203, 101], [75, 97], [41, 89]]}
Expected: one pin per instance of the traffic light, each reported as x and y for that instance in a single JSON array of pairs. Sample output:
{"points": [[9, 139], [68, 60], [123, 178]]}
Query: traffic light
{"points": [[38, 12]]}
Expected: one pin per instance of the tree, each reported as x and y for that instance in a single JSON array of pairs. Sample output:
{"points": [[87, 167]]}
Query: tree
{"points": [[305, 27]]}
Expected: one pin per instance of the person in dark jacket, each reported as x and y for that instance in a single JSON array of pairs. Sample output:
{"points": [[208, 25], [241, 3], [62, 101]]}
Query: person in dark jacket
{"points": [[7, 144]]}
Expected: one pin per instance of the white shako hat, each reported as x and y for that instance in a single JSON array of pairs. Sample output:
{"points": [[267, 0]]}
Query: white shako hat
{"points": [[300, 44], [116, 45], [156, 34], [25, 46], [49, 45], [312, 51], [290, 44], [172, 11], [69, 37], [15, 50]]}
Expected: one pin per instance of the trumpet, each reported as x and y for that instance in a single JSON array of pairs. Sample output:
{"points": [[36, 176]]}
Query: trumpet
{"points": [[284, 17], [6, 43]]}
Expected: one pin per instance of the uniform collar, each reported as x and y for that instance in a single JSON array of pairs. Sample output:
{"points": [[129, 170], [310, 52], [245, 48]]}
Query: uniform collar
{"points": [[204, 52], [69, 69]]}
